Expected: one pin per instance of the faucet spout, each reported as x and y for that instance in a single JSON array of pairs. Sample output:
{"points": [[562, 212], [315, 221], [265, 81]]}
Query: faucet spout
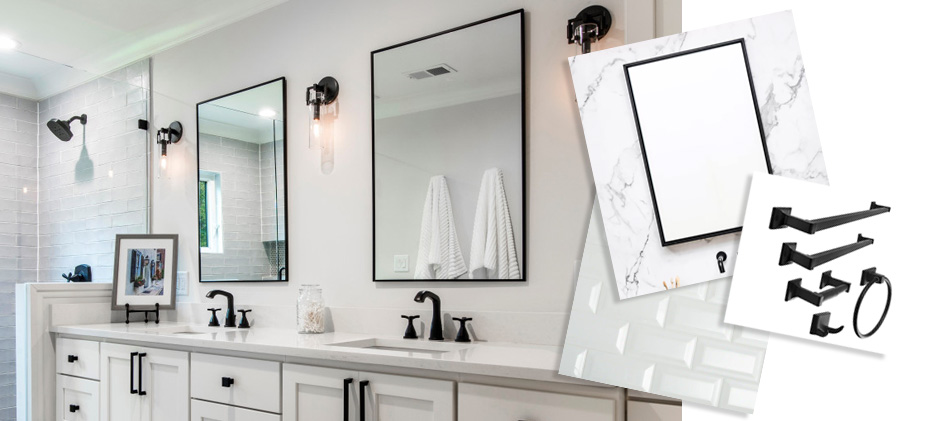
{"points": [[435, 327], [229, 315]]}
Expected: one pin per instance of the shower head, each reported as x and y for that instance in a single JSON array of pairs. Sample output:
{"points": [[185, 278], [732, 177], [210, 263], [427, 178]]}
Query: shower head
{"points": [[62, 130]]}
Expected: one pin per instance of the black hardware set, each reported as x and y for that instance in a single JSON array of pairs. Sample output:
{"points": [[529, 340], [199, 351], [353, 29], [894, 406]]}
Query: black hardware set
{"points": [[435, 326], [820, 325]]}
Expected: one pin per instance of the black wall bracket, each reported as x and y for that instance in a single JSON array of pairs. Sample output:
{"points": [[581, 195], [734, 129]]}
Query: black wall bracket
{"points": [[789, 253], [781, 218], [820, 325], [794, 290], [869, 278]]}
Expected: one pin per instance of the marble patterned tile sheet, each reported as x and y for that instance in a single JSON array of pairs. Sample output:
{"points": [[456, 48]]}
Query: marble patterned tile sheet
{"points": [[641, 265], [672, 344]]}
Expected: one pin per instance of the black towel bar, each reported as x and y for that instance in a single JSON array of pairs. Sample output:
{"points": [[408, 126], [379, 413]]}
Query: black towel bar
{"points": [[794, 290], [789, 253], [781, 218]]}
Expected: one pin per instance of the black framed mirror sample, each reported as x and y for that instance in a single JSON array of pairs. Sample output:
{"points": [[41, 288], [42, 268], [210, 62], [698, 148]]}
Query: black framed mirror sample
{"points": [[449, 156], [242, 185], [700, 130]]}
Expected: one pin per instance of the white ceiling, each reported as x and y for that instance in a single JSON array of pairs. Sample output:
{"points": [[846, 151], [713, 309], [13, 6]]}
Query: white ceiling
{"points": [[66, 42]]}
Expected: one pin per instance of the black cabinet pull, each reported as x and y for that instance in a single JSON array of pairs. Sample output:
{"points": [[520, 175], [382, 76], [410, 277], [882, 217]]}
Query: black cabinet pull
{"points": [[227, 381], [72, 358], [348, 382], [73, 408], [132, 390], [789, 253], [140, 374], [781, 218], [362, 398]]}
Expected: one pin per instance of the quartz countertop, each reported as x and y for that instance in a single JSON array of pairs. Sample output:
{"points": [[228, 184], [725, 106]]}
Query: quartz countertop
{"points": [[519, 361]]}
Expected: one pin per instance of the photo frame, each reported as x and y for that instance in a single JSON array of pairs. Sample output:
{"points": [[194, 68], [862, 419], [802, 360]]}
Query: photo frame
{"points": [[145, 271], [700, 130]]}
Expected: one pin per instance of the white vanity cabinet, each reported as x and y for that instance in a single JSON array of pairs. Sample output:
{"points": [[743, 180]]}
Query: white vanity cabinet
{"points": [[484, 402], [335, 394], [77, 388], [210, 411], [143, 384]]}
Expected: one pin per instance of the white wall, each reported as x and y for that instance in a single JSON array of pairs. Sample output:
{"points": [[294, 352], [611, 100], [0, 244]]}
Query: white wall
{"points": [[330, 215]]}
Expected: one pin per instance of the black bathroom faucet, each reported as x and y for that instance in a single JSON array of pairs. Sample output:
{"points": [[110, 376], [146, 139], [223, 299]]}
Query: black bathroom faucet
{"points": [[229, 315], [435, 327]]}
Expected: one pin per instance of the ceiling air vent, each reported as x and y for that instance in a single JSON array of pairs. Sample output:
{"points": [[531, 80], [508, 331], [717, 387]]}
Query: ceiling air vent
{"points": [[437, 70]]}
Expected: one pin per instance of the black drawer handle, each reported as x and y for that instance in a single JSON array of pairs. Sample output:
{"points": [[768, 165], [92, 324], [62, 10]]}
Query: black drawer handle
{"points": [[140, 374], [73, 408], [132, 390], [348, 382], [362, 398], [227, 381], [72, 358]]}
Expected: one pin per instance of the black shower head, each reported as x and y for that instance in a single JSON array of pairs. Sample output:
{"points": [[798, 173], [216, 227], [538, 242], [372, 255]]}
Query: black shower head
{"points": [[62, 130]]}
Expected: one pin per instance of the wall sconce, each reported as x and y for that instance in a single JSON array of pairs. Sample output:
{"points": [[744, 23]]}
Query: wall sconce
{"points": [[590, 25], [164, 137], [323, 111]]}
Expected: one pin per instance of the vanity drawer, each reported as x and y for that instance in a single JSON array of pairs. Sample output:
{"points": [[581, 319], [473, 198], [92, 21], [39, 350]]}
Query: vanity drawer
{"points": [[78, 358], [482, 402], [243, 382], [76, 399], [209, 411]]}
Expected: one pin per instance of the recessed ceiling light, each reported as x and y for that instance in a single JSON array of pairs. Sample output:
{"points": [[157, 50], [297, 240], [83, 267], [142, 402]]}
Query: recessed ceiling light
{"points": [[267, 112], [7, 43]]}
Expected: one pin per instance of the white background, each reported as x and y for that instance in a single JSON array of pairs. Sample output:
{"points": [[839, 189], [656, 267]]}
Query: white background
{"points": [[871, 72], [759, 283], [701, 166]]}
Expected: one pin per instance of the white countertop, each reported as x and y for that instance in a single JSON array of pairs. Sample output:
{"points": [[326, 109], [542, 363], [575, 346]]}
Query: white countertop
{"points": [[530, 362]]}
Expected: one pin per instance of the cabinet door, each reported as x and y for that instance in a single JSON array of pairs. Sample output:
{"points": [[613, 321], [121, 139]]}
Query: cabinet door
{"points": [[483, 402], [210, 411], [164, 389], [76, 399], [316, 393], [403, 398], [117, 401]]}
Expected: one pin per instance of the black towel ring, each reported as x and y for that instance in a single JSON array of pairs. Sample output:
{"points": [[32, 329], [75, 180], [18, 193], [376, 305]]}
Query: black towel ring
{"points": [[870, 277]]}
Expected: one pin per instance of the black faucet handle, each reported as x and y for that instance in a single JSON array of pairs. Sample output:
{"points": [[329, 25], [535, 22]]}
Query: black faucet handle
{"points": [[411, 331], [213, 322], [462, 335], [244, 323]]}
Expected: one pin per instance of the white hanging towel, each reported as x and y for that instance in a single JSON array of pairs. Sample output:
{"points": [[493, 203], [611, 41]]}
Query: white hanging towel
{"points": [[493, 253], [439, 256]]}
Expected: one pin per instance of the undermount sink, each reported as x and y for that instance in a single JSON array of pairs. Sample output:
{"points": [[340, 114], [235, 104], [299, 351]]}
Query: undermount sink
{"points": [[190, 330], [404, 345]]}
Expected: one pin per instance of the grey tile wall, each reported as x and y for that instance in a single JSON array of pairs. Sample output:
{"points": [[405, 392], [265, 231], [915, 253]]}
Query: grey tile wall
{"points": [[238, 163], [94, 186], [18, 216]]}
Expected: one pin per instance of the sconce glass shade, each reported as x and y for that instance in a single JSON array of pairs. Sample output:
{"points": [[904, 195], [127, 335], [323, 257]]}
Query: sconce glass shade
{"points": [[322, 134]]}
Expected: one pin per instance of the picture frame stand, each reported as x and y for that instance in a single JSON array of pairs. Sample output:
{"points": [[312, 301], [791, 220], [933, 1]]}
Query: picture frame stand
{"points": [[146, 314]]}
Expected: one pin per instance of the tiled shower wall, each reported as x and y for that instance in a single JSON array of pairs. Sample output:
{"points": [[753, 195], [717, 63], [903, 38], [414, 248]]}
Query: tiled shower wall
{"points": [[238, 162], [18, 130], [94, 186]]}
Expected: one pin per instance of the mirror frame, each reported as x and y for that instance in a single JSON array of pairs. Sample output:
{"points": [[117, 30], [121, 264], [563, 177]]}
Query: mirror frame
{"points": [[523, 140], [286, 207]]}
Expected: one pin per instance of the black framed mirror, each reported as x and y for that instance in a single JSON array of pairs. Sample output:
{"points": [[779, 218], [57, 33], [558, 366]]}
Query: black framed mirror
{"points": [[242, 212], [449, 156]]}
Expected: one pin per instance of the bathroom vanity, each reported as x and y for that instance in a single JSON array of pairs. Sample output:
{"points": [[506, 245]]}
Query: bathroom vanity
{"points": [[178, 371]]}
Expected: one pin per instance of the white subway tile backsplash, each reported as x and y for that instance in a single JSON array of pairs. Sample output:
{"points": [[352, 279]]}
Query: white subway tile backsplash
{"points": [[696, 317], [686, 385], [721, 358]]}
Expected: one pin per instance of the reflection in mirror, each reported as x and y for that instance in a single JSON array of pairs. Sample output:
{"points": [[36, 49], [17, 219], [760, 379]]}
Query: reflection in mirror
{"points": [[448, 121], [242, 185]]}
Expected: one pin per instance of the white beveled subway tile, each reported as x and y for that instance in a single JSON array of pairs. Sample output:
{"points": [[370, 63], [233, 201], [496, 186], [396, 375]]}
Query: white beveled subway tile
{"points": [[698, 318], [660, 345], [751, 337], [588, 293], [718, 291], [573, 361], [597, 333], [686, 385], [739, 396], [722, 358], [632, 373], [650, 309], [696, 291]]}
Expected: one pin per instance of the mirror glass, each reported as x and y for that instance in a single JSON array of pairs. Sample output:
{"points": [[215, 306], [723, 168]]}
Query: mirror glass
{"points": [[448, 121], [242, 185], [700, 130]]}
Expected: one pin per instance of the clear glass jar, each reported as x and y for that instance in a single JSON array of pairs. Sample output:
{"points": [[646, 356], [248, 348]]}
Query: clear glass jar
{"points": [[310, 310]]}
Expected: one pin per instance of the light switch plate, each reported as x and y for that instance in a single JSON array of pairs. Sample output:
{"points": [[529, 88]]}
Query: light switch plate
{"points": [[182, 283], [401, 263]]}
